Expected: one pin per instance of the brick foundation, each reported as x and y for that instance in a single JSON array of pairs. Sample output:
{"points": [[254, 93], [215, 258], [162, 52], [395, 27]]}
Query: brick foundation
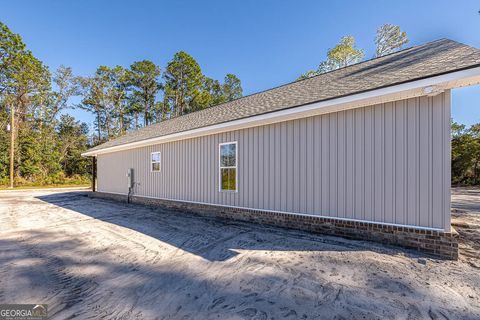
{"points": [[442, 244]]}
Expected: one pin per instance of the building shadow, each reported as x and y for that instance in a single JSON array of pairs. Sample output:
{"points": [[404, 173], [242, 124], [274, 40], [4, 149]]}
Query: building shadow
{"points": [[214, 239]]}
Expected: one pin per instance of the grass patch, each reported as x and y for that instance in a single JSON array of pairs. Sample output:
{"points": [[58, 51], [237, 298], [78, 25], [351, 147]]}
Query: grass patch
{"points": [[45, 186]]}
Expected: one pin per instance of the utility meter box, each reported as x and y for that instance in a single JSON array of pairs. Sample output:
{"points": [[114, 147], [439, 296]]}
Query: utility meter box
{"points": [[130, 178]]}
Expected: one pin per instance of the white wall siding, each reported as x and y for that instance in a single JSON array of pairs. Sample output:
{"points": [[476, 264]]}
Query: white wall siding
{"points": [[384, 163]]}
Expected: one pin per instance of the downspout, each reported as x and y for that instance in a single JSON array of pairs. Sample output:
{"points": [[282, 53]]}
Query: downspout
{"points": [[94, 173], [131, 184], [130, 191]]}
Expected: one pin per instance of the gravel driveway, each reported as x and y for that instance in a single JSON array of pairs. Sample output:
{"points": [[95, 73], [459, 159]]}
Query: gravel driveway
{"points": [[92, 258]]}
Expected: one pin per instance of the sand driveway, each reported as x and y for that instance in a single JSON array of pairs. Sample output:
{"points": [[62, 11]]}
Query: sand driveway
{"points": [[92, 258]]}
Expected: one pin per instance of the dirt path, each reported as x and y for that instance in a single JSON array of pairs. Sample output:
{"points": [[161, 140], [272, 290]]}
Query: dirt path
{"points": [[466, 220], [91, 258]]}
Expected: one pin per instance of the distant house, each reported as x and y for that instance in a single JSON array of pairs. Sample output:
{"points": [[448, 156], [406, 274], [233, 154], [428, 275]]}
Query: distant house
{"points": [[362, 152]]}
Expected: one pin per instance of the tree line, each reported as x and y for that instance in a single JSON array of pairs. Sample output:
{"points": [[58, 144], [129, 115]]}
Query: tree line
{"points": [[465, 154], [49, 142], [123, 99]]}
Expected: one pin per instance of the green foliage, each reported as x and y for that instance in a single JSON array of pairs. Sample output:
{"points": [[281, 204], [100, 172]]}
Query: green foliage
{"points": [[11, 45], [48, 143], [40, 147], [58, 179], [93, 100], [105, 95], [122, 98], [308, 74], [187, 89], [29, 155], [212, 92], [389, 39], [465, 154], [345, 53], [183, 84], [4, 142], [232, 87], [143, 78], [72, 141]]}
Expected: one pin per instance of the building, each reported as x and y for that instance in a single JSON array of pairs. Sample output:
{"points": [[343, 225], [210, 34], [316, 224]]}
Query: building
{"points": [[362, 152]]}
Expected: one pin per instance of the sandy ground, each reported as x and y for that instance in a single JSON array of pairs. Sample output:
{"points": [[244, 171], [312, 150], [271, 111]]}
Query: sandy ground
{"points": [[466, 220], [91, 258]]}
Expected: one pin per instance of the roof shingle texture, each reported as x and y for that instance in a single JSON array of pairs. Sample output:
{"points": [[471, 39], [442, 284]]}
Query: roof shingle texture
{"points": [[434, 58]]}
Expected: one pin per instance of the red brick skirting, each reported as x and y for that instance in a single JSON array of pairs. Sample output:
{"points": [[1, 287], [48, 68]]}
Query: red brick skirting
{"points": [[443, 244]]}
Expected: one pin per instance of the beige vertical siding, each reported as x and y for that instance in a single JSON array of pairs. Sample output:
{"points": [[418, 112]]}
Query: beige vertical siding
{"points": [[385, 163]]}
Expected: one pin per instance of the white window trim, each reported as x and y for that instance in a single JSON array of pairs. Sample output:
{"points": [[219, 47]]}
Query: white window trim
{"points": [[220, 167], [152, 162]]}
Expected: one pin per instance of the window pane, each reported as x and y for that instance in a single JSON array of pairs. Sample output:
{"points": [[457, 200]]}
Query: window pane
{"points": [[227, 155], [156, 157], [156, 166], [228, 179]]}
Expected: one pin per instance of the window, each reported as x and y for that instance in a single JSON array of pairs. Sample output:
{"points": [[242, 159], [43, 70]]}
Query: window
{"points": [[156, 159], [228, 166]]}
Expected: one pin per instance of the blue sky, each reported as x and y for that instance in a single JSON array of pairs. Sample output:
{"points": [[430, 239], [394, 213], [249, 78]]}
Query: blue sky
{"points": [[265, 43]]}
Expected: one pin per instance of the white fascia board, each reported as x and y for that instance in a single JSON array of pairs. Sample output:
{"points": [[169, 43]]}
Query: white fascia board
{"points": [[392, 93]]}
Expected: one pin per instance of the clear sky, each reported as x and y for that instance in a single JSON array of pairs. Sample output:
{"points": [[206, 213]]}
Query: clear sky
{"points": [[265, 43]]}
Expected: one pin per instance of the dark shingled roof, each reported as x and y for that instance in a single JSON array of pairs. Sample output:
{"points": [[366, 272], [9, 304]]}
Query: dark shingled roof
{"points": [[434, 58]]}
